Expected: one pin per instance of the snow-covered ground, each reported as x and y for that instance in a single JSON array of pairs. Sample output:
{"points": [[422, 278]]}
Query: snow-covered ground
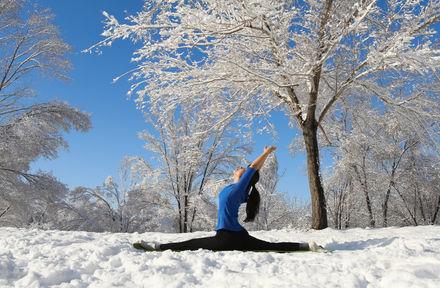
{"points": [[391, 257]]}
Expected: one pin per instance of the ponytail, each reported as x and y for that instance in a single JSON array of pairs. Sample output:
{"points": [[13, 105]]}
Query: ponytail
{"points": [[253, 200]]}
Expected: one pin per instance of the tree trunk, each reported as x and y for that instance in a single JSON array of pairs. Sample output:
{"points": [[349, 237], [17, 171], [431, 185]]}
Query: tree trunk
{"points": [[185, 214], [434, 217], [179, 207], [342, 208], [4, 211], [364, 186], [422, 210], [348, 208], [192, 220], [413, 217], [385, 207], [319, 213]]}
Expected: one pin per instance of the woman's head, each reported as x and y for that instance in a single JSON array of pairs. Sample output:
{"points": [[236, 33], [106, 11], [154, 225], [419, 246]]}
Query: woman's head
{"points": [[237, 173]]}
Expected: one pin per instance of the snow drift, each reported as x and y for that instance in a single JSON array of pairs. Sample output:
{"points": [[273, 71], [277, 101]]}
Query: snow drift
{"points": [[386, 257]]}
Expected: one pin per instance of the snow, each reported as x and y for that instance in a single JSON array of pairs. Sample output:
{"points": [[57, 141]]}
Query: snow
{"points": [[385, 257]]}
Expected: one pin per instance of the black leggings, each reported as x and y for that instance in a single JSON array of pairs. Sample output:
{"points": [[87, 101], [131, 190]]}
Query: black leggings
{"points": [[231, 240]]}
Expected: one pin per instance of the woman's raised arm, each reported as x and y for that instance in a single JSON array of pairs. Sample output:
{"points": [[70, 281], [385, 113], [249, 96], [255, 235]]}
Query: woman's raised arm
{"points": [[258, 163]]}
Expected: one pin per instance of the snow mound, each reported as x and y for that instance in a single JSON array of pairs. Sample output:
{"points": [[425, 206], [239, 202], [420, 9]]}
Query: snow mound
{"points": [[387, 257]]}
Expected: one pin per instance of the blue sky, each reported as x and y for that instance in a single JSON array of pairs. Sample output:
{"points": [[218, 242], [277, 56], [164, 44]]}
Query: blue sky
{"points": [[94, 155]]}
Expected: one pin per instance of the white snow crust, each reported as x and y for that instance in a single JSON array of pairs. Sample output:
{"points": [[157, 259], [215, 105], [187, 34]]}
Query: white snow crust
{"points": [[385, 257]]}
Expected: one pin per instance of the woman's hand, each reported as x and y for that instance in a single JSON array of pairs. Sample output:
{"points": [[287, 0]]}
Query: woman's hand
{"points": [[269, 149], [258, 163]]}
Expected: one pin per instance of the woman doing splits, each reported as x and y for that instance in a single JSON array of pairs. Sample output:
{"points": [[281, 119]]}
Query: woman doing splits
{"points": [[230, 235]]}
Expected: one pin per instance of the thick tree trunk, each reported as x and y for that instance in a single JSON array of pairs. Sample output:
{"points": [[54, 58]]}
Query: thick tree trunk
{"points": [[319, 213]]}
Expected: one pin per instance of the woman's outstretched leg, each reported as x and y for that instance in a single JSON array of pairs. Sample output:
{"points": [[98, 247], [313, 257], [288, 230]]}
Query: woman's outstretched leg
{"points": [[255, 244], [209, 243]]}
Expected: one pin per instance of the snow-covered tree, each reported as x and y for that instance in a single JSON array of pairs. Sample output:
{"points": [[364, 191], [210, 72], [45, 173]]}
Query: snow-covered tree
{"points": [[303, 57], [102, 208], [340, 198], [126, 205], [34, 202], [415, 196], [30, 44], [382, 161]]}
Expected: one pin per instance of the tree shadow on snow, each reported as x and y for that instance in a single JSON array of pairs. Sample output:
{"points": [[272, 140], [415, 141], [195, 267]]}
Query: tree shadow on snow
{"points": [[361, 245]]}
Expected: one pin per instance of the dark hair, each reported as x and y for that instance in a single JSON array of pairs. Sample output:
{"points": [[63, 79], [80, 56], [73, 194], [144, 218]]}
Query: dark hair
{"points": [[253, 200]]}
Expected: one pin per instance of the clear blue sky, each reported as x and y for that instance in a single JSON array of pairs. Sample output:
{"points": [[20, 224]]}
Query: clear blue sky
{"points": [[94, 155]]}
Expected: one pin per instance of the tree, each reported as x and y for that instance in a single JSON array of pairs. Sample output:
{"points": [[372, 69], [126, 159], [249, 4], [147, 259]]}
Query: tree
{"points": [[127, 205], [30, 44], [340, 195], [33, 203], [387, 159], [302, 56]]}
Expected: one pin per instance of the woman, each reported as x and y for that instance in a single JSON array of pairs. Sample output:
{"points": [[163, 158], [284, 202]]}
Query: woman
{"points": [[230, 235]]}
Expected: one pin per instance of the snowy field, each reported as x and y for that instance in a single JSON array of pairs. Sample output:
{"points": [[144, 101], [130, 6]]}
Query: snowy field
{"points": [[391, 257]]}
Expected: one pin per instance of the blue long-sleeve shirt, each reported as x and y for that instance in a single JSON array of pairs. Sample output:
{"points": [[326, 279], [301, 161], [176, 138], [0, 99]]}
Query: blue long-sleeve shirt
{"points": [[230, 199]]}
